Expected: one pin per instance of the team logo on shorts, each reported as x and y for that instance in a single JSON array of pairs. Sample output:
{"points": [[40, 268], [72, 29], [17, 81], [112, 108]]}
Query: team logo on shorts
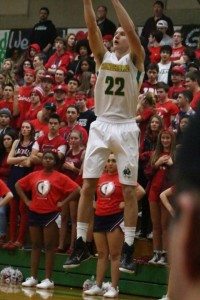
{"points": [[43, 187], [127, 172]]}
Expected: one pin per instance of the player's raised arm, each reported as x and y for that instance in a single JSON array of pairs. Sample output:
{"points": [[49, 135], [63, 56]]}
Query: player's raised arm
{"points": [[94, 34], [136, 49]]}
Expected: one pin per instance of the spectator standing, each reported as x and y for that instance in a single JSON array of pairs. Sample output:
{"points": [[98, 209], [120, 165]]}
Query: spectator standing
{"points": [[150, 84], [162, 25], [72, 115], [162, 161], [177, 46], [44, 33], [53, 140], [72, 168], [165, 107], [71, 46], [105, 25], [150, 24], [177, 79], [164, 64], [5, 197], [86, 116], [5, 146], [155, 38], [40, 124], [60, 58], [192, 83], [36, 103], [19, 159]]}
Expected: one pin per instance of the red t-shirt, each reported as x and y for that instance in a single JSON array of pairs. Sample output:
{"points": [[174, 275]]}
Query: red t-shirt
{"points": [[177, 53], [90, 103], [56, 61], [46, 144], [47, 189], [109, 195], [70, 101], [155, 54], [195, 101], [40, 128], [65, 131], [146, 115], [31, 114], [157, 184], [3, 188], [174, 91], [61, 111], [5, 104], [24, 103], [166, 110]]}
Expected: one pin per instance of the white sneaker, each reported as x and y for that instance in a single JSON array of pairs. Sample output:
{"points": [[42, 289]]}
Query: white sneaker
{"points": [[94, 290], [111, 293], [31, 281], [155, 258], [45, 284], [163, 259]]}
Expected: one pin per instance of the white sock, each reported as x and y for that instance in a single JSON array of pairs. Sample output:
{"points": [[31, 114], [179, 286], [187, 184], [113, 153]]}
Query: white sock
{"points": [[129, 235], [82, 229]]}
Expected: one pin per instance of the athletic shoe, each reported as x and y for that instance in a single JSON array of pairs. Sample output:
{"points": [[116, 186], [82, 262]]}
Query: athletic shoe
{"points": [[79, 254], [150, 236], [165, 297], [111, 293], [163, 259], [127, 265], [155, 258], [95, 290], [14, 246], [31, 281], [7, 245], [45, 284], [141, 235]]}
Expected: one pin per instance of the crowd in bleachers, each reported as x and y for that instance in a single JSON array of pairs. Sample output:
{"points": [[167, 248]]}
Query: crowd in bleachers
{"points": [[48, 103]]}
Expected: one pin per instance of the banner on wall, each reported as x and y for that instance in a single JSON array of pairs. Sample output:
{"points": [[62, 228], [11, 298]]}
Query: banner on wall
{"points": [[18, 38]]}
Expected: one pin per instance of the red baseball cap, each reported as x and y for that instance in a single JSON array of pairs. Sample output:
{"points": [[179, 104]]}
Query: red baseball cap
{"points": [[178, 69], [60, 87]]}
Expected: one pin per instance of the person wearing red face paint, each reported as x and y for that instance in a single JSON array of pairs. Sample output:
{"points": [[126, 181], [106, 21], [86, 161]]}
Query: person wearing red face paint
{"points": [[162, 161]]}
